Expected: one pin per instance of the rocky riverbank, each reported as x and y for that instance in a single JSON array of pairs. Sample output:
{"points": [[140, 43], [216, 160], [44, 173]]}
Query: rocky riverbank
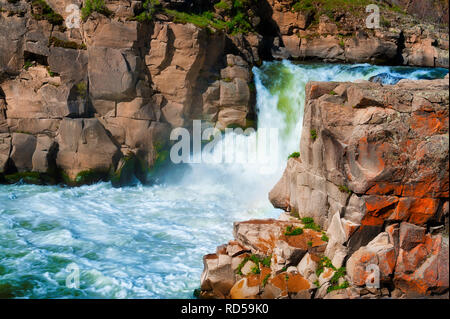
{"points": [[96, 100], [365, 200]]}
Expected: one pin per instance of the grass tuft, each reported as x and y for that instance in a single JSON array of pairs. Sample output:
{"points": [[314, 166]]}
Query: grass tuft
{"points": [[293, 231], [294, 155], [91, 6], [313, 133], [42, 11]]}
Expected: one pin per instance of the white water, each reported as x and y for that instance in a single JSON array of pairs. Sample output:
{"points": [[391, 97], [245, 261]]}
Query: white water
{"points": [[148, 241]]}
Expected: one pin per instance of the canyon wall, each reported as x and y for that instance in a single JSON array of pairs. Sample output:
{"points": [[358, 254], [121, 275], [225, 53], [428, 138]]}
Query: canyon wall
{"points": [[368, 192], [90, 102], [81, 103]]}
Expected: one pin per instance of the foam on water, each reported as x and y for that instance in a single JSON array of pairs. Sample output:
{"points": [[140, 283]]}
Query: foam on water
{"points": [[148, 241]]}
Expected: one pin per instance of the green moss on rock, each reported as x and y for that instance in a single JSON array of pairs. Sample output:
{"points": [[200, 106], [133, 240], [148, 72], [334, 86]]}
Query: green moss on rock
{"points": [[30, 178], [131, 170], [42, 11], [87, 177]]}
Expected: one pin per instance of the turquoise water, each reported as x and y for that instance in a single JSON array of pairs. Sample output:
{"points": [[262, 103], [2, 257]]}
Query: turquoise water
{"points": [[148, 241]]}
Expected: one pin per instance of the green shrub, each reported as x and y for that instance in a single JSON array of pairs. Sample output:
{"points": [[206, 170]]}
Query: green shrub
{"points": [[256, 270], [266, 261], [334, 281], [204, 20], [293, 231], [307, 220], [309, 224], [313, 133], [338, 274], [91, 6], [264, 281], [324, 262], [324, 238], [252, 258], [312, 226], [344, 189], [42, 11], [303, 5], [150, 7], [237, 18], [51, 73], [239, 24], [223, 5], [338, 287], [294, 155], [27, 64]]}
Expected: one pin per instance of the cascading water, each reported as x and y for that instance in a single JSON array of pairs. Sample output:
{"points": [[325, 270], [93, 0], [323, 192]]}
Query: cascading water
{"points": [[148, 241]]}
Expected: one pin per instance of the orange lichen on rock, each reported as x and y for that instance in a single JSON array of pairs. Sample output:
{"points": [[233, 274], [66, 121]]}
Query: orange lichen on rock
{"points": [[297, 283], [429, 123]]}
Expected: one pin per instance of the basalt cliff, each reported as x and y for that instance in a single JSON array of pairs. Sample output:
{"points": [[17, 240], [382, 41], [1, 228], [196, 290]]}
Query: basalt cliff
{"points": [[89, 90], [366, 202]]}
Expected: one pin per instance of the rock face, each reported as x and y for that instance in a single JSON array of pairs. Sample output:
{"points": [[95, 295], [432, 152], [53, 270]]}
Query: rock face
{"points": [[372, 153], [434, 10], [109, 88], [372, 184], [338, 34]]}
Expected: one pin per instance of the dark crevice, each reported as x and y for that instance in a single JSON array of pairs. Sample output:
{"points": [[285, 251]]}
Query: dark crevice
{"points": [[33, 57]]}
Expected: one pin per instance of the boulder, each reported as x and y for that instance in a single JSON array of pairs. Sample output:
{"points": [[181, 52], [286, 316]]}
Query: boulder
{"points": [[289, 21], [84, 145], [44, 154], [112, 73], [370, 49], [307, 268], [246, 288], [378, 254], [5, 150], [12, 30], [411, 235], [325, 48], [422, 263], [218, 276], [71, 65], [37, 95], [23, 147]]}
